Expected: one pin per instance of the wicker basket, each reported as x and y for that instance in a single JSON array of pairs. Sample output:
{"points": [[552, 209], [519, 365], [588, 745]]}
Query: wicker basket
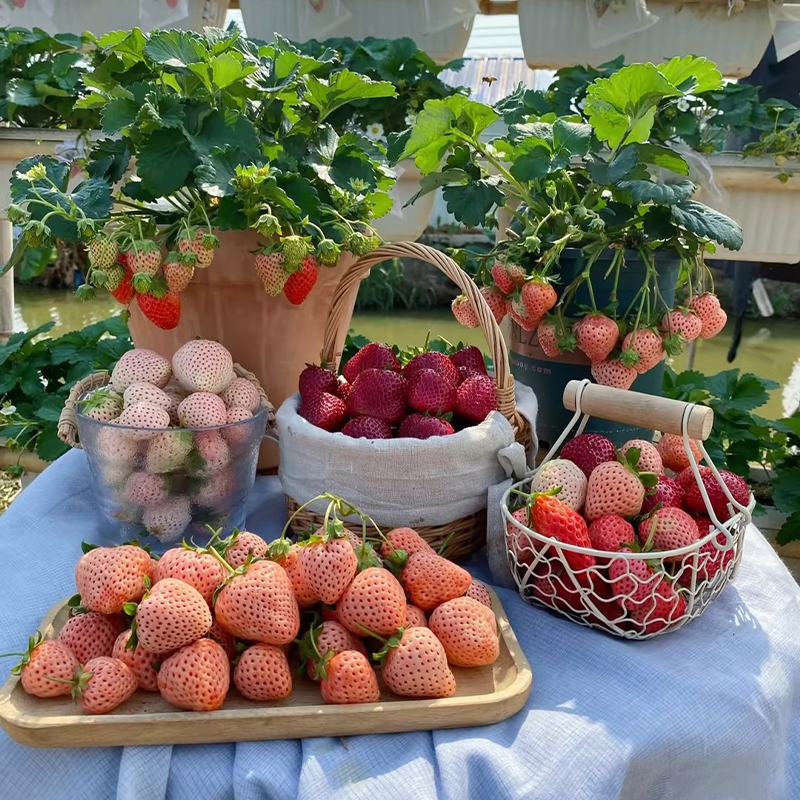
{"points": [[461, 536]]}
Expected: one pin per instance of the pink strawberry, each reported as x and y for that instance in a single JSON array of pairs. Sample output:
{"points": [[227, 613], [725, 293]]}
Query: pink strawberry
{"points": [[518, 313], [202, 365], [613, 373], [168, 451], [102, 684], [587, 450], [200, 244], [144, 489], [464, 312], [683, 323], [613, 489], [538, 297], [507, 277], [41, 663], [245, 544], [597, 336], [262, 673], [290, 561], [415, 617], [141, 663], [300, 283], [416, 665], [378, 393], [202, 410], [668, 529], [496, 302], [91, 634], [178, 275], [218, 634], [476, 399], [326, 411], [438, 362], [238, 434], [673, 453], [647, 596], [349, 678], [710, 559], [649, 457], [241, 393], [259, 605], [316, 379], [144, 257], [611, 533], [367, 428], [565, 475], [143, 420], [547, 337], [642, 350], [719, 502], [478, 591], [140, 366], [405, 539], [420, 426], [710, 314], [218, 489], [329, 564], [470, 357], [431, 580], [196, 677], [668, 494], [372, 356], [193, 565], [373, 603], [428, 392], [467, 630], [321, 642], [270, 269], [109, 577], [168, 520]]}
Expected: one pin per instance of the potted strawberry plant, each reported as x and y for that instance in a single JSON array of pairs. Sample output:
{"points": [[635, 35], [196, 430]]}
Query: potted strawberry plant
{"points": [[236, 163], [604, 228]]}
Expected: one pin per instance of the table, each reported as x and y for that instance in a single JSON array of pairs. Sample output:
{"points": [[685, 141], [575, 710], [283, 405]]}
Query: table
{"points": [[709, 713]]}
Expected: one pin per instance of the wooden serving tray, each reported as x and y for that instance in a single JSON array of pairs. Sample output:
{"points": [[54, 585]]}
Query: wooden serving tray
{"points": [[485, 695]]}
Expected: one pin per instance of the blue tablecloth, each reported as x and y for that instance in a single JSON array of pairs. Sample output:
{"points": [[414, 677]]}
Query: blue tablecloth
{"points": [[709, 713]]}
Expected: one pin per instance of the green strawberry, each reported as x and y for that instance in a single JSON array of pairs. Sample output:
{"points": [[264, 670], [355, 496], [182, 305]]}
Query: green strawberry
{"points": [[103, 252], [328, 253], [114, 275], [294, 249]]}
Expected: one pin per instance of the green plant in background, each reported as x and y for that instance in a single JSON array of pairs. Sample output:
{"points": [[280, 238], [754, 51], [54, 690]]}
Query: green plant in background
{"points": [[40, 79], [741, 438], [36, 375]]}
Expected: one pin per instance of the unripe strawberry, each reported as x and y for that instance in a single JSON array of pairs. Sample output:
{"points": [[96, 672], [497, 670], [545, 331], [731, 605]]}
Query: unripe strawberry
{"points": [[270, 269], [103, 252]]}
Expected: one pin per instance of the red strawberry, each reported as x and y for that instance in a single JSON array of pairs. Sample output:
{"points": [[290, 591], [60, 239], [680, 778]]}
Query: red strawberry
{"points": [[193, 565], [712, 317], [471, 357], [613, 373], [102, 684], [372, 356], [673, 453], [467, 630], [172, 615], [109, 577], [468, 372], [125, 292], [716, 496], [368, 428], [262, 673], [644, 593], [611, 533], [291, 563], [420, 426], [649, 457], [587, 450], [642, 350], [416, 665], [244, 544], [326, 411], [349, 678], [316, 379], [496, 302], [415, 617], [164, 312], [300, 283], [547, 337], [464, 312], [614, 488], [141, 663], [91, 635], [378, 393], [682, 323], [271, 272], [550, 517], [508, 278], [478, 591], [41, 662], [668, 529], [344, 390], [668, 494], [259, 605], [438, 362], [373, 603], [196, 677], [428, 392], [329, 564], [431, 580], [710, 559], [476, 399], [597, 336], [538, 297], [404, 539]]}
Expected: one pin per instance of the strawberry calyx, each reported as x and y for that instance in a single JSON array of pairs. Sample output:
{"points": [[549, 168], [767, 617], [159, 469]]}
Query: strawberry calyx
{"points": [[25, 656], [630, 461], [97, 398], [309, 652], [388, 643], [395, 561]]}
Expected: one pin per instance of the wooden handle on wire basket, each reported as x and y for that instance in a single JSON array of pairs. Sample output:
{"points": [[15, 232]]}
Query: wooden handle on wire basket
{"points": [[641, 410], [332, 345]]}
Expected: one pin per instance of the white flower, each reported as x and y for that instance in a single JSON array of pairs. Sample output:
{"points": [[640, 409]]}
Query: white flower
{"points": [[410, 119], [581, 104], [683, 104], [374, 131], [7, 410]]}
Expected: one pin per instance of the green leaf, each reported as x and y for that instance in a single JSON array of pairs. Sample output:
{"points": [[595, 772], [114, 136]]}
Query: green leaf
{"points": [[344, 87], [622, 164], [531, 165], [21, 93], [662, 157], [790, 530], [571, 138], [475, 118], [56, 171], [119, 114], [786, 490], [50, 409], [471, 203], [164, 162], [217, 133], [661, 193], [215, 172], [109, 159], [228, 68], [692, 74], [175, 48], [432, 133], [48, 446], [706, 222]]}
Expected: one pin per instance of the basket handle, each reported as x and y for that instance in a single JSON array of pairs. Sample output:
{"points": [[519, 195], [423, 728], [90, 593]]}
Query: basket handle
{"points": [[641, 410], [332, 349]]}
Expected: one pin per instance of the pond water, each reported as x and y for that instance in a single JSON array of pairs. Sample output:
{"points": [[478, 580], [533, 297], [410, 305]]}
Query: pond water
{"points": [[770, 348]]}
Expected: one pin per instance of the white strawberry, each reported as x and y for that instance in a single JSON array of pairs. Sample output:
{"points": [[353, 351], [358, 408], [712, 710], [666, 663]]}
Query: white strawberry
{"points": [[613, 489], [564, 474], [217, 492], [211, 447], [202, 410], [144, 257], [146, 393], [178, 275], [201, 244], [144, 417], [168, 520], [143, 489], [238, 434], [270, 269], [241, 394], [203, 366], [175, 399], [140, 366], [649, 457], [168, 451], [102, 405], [114, 447]]}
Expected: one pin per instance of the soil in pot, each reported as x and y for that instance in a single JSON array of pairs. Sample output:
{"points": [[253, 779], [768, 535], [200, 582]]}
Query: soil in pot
{"points": [[548, 376]]}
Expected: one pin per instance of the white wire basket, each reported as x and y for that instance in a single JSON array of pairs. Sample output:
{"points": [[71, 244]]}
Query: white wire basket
{"points": [[635, 595]]}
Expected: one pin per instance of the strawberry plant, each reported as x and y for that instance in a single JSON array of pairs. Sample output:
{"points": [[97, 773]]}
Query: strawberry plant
{"points": [[603, 186], [226, 133]]}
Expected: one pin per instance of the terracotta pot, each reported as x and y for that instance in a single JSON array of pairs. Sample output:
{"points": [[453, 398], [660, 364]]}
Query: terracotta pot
{"points": [[267, 335]]}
